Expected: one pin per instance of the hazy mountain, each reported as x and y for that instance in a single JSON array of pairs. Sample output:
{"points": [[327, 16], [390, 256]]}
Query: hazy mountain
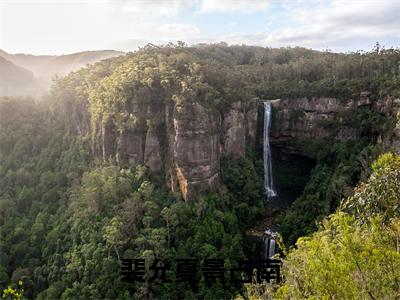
{"points": [[15, 80], [46, 67]]}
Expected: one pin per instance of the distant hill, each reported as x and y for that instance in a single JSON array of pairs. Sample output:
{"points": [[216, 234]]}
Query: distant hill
{"points": [[15, 80], [46, 67]]}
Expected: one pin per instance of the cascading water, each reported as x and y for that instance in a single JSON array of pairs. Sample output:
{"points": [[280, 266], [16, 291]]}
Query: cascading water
{"points": [[269, 245], [268, 239], [268, 180]]}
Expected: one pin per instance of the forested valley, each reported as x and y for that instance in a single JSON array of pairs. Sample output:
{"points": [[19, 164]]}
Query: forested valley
{"points": [[70, 210]]}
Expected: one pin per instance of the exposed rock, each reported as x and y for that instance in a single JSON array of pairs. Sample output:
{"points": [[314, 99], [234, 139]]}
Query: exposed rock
{"points": [[364, 99], [152, 151], [108, 141], [187, 140], [296, 121], [345, 134], [191, 138], [299, 121], [384, 105], [234, 130], [395, 143], [251, 117], [198, 136], [195, 148], [135, 143], [130, 148], [240, 127]]}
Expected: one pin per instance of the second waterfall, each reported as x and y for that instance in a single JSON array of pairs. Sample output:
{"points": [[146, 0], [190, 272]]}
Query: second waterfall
{"points": [[268, 180]]}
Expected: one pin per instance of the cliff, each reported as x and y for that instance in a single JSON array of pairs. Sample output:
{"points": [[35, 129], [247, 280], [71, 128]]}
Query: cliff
{"points": [[297, 122], [178, 110], [184, 142]]}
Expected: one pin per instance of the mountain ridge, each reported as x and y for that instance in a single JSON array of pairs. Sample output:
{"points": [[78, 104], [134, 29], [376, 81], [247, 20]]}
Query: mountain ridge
{"points": [[45, 68]]}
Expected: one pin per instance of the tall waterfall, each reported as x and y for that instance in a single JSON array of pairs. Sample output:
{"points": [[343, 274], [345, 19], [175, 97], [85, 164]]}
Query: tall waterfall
{"points": [[268, 180]]}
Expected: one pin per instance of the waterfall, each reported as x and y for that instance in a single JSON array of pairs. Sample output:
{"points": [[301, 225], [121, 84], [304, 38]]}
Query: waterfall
{"points": [[269, 247], [268, 180]]}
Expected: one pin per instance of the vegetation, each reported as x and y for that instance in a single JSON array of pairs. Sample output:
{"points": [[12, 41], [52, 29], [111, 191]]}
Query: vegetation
{"points": [[339, 167], [354, 254], [358, 252], [217, 75], [67, 219]]}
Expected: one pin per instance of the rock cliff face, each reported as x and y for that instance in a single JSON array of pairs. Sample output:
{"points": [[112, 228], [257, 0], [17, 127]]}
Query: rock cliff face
{"points": [[194, 144], [184, 142], [298, 121], [391, 106]]}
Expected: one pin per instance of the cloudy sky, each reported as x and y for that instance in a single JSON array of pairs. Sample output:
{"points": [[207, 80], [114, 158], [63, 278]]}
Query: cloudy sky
{"points": [[65, 26]]}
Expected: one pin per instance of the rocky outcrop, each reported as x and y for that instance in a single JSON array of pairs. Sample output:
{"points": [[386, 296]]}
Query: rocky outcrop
{"points": [[391, 106], [234, 130], [251, 122], [195, 148], [299, 121], [152, 151], [184, 142], [240, 127]]}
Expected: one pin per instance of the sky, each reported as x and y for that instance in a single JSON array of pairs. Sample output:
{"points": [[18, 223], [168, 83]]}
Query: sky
{"points": [[67, 26]]}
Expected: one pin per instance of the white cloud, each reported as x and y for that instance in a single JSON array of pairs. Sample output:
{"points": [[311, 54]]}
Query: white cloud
{"points": [[60, 26], [154, 7], [255, 39], [178, 30], [339, 25], [233, 5]]}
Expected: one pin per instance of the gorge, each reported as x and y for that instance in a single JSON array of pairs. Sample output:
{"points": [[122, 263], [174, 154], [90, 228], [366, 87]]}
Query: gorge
{"points": [[165, 153], [188, 140], [181, 130]]}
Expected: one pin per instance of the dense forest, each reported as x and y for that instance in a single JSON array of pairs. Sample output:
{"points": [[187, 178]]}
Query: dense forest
{"points": [[69, 213]]}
